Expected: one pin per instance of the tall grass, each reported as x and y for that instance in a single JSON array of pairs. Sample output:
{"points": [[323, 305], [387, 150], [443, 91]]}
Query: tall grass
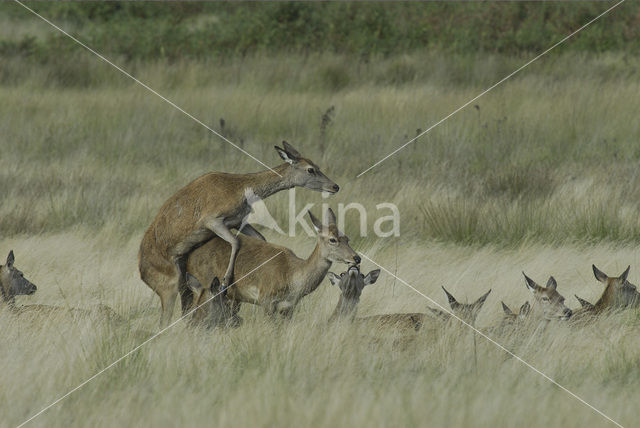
{"points": [[305, 372], [539, 175], [549, 156]]}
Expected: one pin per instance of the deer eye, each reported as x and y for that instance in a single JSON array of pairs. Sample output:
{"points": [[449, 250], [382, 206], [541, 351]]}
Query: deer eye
{"points": [[342, 274], [545, 298], [311, 171], [333, 240]]}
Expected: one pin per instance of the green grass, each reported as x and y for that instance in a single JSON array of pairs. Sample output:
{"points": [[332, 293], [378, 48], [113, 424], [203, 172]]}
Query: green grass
{"points": [[549, 156], [541, 177], [304, 372]]}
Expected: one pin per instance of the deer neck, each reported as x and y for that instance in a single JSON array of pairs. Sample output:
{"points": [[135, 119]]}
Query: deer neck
{"points": [[266, 183], [313, 271], [606, 300], [5, 298], [345, 309]]}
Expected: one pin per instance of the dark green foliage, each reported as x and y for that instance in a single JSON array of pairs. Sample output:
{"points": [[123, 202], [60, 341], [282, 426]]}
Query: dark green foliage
{"points": [[151, 30]]}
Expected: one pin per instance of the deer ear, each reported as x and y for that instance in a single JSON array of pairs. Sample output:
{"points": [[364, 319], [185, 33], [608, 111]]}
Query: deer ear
{"points": [[600, 276], [530, 283], [315, 222], [583, 302], [10, 259], [333, 278], [551, 283], [285, 156], [506, 309], [625, 274], [525, 309], [452, 300], [482, 298], [372, 277], [331, 217], [293, 153]]}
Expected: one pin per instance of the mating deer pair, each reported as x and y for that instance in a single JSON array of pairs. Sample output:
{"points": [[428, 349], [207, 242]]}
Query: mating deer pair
{"points": [[211, 206]]}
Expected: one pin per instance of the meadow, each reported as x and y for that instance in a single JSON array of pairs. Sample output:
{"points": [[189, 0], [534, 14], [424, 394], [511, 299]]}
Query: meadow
{"points": [[539, 175]]}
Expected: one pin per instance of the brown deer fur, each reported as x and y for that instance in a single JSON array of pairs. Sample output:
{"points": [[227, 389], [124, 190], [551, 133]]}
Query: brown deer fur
{"points": [[209, 206]]}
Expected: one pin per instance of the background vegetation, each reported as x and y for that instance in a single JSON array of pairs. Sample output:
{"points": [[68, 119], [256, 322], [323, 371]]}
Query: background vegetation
{"points": [[144, 30], [540, 174]]}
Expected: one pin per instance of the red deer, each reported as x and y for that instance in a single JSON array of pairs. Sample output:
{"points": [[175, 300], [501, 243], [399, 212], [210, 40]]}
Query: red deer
{"points": [[210, 206], [434, 318], [618, 293], [279, 284], [548, 297]]}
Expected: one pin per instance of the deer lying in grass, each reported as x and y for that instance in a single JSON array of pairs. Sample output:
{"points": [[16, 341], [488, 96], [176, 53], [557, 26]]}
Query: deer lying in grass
{"points": [[618, 293], [549, 299], [280, 283], [510, 321], [209, 206], [509, 318], [13, 283], [351, 283], [434, 318]]}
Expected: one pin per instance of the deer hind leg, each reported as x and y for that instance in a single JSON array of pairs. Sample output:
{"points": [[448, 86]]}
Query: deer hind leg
{"points": [[162, 278], [168, 301], [186, 295]]}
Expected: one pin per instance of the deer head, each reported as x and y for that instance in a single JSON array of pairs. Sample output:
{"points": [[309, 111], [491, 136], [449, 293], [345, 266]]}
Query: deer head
{"points": [[548, 297], [618, 293], [351, 283], [333, 244], [522, 314], [301, 172], [466, 311], [13, 282]]}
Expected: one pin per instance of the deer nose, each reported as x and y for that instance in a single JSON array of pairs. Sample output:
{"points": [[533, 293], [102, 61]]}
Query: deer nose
{"points": [[336, 187], [357, 259], [568, 312]]}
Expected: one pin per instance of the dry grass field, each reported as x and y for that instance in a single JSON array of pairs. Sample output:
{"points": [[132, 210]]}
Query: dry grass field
{"points": [[540, 177]]}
